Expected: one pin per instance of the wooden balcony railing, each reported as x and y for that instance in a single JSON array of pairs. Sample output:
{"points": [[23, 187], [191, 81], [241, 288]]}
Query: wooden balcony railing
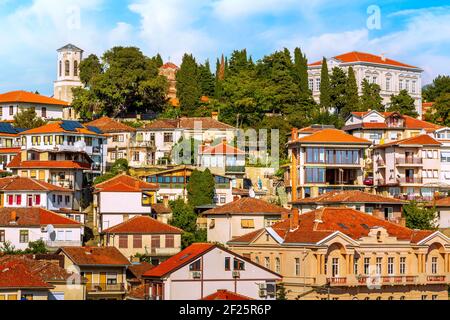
{"points": [[406, 161], [387, 280]]}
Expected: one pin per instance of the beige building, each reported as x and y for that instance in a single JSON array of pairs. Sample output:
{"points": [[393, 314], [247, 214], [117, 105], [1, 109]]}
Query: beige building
{"points": [[103, 268], [240, 217], [343, 254], [145, 236]]}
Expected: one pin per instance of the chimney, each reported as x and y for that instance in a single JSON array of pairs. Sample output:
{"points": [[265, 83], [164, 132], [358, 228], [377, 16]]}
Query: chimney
{"points": [[318, 218], [285, 216], [294, 134], [215, 116], [166, 201], [295, 219], [383, 57], [13, 217]]}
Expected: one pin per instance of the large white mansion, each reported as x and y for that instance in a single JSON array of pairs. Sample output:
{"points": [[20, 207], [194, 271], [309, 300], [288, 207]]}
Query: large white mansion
{"points": [[391, 75]]}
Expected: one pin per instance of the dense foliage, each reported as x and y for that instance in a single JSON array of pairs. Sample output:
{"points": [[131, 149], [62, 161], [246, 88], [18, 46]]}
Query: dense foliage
{"points": [[28, 119], [420, 217], [201, 188]]}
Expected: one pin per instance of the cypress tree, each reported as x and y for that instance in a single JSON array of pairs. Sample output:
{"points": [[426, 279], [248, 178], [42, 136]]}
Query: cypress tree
{"points": [[325, 89], [371, 98], [301, 71], [352, 95], [207, 81], [188, 85]]}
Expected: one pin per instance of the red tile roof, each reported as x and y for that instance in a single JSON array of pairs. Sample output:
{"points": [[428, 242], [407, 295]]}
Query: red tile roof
{"points": [[410, 122], [137, 293], [169, 65], [220, 149], [17, 163], [15, 275], [125, 183], [179, 260], [55, 127], [34, 217], [352, 223], [424, 140], [95, 256], [349, 197], [188, 124], [143, 225], [332, 136], [10, 150], [160, 208], [352, 57], [249, 206], [226, 295], [27, 184], [108, 125], [139, 269], [29, 97]]}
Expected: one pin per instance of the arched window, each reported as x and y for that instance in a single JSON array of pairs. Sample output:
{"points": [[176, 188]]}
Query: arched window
{"points": [[67, 68], [75, 68]]}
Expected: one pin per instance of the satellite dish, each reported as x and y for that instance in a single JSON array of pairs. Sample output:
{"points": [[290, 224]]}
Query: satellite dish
{"points": [[251, 193], [50, 228]]}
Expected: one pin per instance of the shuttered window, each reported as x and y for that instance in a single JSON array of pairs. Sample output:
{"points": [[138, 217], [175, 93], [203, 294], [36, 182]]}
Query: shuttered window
{"points": [[137, 241], [248, 223], [170, 241], [156, 242], [123, 242]]}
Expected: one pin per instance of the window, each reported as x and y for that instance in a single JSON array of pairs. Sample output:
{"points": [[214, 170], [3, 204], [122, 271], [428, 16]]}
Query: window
{"points": [[413, 87], [267, 262], [156, 242], [75, 68], [311, 84], [44, 112], [26, 297], [434, 297], [402, 265], [170, 241], [434, 265], [248, 223], [11, 110], [315, 175], [123, 241], [196, 266], [2, 236], [366, 266], [355, 266], [335, 267], [136, 156], [67, 199], [227, 264], [10, 200], [318, 82], [297, 266], [37, 199], [59, 140], [36, 140], [67, 68], [111, 278], [60, 68], [137, 241], [388, 84], [378, 266], [60, 199], [168, 137], [390, 266], [238, 265], [424, 297], [277, 265], [18, 199], [88, 141], [400, 85], [369, 210], [24, 236]]}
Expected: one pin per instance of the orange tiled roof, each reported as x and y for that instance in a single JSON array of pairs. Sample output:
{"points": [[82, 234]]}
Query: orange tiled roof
{"points": [[55, 127], [188, 124], [27, 184], [108, 125], [226, 295], [143, 225], [15, 275], [124, 182], [137, 293], [352, 223], [410, 122], [29, 97], [248, 206], [424, 140], [355, 56], [349, 197], [139, 269], [169, 65], [9, 150], [332, 136], [95, 256], [35, 217], [221, 149], [179, 260], [160, 208], [17, 163]]}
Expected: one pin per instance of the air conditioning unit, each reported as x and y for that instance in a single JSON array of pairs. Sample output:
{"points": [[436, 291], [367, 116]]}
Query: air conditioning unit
{"points": [[236, 274], [262, 291], [197, 274]]}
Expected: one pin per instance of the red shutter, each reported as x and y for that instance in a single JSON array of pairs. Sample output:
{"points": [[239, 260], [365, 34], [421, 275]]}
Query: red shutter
{"points": [[170, 241], [19, 199], [137, 242], [123, 242], [38, 200], [10, 200]]}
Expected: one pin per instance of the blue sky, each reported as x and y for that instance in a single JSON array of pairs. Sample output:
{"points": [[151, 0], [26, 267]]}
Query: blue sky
{"points": [[414, 32]]}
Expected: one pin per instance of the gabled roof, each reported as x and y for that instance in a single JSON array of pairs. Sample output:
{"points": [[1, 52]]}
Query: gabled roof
{"points": [[58, 127], [162, 124], [169, 65], [226, 295], [221, 149], [355, 196], [34, 217], [351, 223], [17, 163], [125, 183], [188, 124], [248, 206], [410, 122], [108, 125], [137, 270], [70, 47], [179, 260], [95, 256], [352, 57], [422, 140], [143, 225], [15, 275], [332, 136], [29, 97], [17, 183]]}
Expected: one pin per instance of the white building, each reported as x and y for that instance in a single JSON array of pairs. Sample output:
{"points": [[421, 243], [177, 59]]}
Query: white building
{"points": [[392, 76], [202, 269], [20, 226], [221, 156], [68, 75], [443, 136], [14, 102]]}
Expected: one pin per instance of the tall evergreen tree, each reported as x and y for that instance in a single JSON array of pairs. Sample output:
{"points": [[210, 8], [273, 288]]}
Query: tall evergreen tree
{"points": [[189, 90], [352, 95], [207, 80], [404, 104], [338, 90], [371, 98], [301, 71], [325, 89], [158, 60]]}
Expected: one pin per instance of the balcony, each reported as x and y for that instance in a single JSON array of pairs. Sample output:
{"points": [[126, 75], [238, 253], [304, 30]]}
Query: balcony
{"points": [[410, 180], [337, 281], [387, 280], [105, 287], [409, 161], [143, 144], [62, 183], [437, 279]]}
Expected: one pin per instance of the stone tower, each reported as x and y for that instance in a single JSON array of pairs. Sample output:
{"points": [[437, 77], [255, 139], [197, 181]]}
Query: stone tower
{"points": [[68, 74]]}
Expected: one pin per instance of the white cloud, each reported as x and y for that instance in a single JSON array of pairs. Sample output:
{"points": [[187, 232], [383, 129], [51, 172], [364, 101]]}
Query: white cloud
{"points": [[237, 9]]}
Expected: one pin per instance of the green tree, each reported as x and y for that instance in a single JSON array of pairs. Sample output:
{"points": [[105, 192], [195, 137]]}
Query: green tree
{"points": [[185, 218], [404, 104], [352, 95], [282, 292], [90, 68], [440, 113], [301, 71], [28, 119], [37, 247], [371, 98], [189, 90], [338, 90], [207, 80], [440, 86], [420, 217], [119, 167], [325, 87], [201, 188]]}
